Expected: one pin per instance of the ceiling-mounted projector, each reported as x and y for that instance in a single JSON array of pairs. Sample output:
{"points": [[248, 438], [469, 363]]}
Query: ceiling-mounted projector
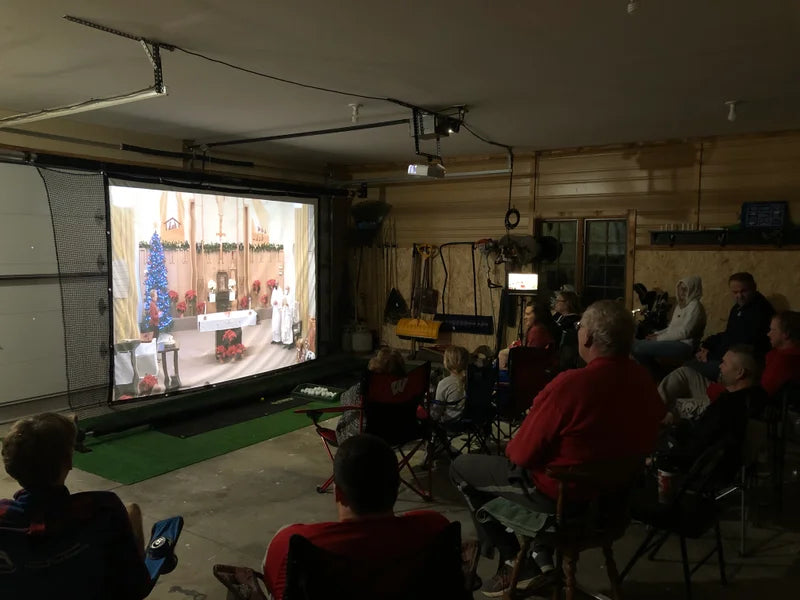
{"points": [[429, 170]]}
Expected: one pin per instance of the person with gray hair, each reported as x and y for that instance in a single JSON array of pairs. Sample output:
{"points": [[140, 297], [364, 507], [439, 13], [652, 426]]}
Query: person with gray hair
{"points": [[607, 410]]}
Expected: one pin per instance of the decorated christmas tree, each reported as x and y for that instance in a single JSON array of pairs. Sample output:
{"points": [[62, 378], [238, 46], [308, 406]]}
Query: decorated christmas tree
{"points": [[156, 279]]}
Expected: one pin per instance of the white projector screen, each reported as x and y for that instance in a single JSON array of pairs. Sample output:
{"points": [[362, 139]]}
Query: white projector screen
{"points": [[208, 288]]}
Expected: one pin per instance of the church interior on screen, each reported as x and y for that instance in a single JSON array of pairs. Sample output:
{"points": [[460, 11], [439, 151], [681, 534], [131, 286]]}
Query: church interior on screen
{"points": [[208, 288]]}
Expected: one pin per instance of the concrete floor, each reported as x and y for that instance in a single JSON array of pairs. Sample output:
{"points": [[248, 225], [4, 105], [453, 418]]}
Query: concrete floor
{"points": [[233, 504]]}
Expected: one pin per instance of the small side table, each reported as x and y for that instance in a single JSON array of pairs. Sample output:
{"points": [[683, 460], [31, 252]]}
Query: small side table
{"points": [[174, 382], [129, 347]]}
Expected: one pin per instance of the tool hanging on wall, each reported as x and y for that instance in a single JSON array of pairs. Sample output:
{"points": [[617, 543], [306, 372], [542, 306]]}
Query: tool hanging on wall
{"points": [[423, 300], [396, 307], [475, 323]]}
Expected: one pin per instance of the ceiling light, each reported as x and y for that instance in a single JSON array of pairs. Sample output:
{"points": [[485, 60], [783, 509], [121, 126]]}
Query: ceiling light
{"points": [[94, 104], [731, 104], [632, 6]]}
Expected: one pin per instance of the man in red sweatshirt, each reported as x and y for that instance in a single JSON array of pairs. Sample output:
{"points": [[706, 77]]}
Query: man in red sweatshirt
{"points": [[609, 409]]}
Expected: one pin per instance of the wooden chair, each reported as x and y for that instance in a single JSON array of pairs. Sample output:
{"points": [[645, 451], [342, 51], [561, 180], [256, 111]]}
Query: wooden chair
{"points": [[581, 526]]}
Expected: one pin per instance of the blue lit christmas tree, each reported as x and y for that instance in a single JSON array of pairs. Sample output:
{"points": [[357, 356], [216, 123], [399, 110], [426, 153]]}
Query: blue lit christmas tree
{"points": [[156, 279]]}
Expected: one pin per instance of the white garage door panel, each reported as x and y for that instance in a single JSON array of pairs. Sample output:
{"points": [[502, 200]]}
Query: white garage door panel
{"points": [[32, 339]]}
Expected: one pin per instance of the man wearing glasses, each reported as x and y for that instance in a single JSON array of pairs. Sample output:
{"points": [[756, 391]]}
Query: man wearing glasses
{"points": [[608, 410]]}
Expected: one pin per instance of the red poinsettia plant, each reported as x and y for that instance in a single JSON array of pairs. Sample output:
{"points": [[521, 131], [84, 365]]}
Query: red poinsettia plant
{"points": [[229, 349], [256, 286], [244, 302], [173, 296], [180, 308], [201, 307], [271, 283], [264, 300], [190, 295], [146, 384]]}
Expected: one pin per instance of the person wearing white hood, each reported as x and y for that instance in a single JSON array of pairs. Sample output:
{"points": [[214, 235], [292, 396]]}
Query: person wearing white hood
{"points": [[679, 340], [276, 299]]}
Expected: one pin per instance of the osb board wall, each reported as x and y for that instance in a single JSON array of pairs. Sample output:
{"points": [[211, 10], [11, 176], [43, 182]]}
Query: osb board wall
{"points": [[775, 271], [376, 280]]}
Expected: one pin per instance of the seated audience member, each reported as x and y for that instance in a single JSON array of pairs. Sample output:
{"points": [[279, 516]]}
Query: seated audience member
{"points": [[683, 333], [725, 419], [607, 410], [687, 393], [386, 361], [539, 331], [367, 481], [748, 323], [451, 391], [567, 309], [96, 546]]}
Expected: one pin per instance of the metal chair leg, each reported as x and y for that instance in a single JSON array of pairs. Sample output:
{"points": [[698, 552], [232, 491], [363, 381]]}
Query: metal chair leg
{"points": [[613, 575], [640, 551], [687, 575], [720, 555]]}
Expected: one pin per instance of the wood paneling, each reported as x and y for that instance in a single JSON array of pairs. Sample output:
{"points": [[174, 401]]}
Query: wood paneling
{"points": [[684, 184]]}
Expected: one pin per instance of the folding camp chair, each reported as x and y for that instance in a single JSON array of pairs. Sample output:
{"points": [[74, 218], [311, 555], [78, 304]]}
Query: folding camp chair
{"points": [[529, 370], [474, 426], [43, 564], [437, 571], [432, 572], [388, 408]]}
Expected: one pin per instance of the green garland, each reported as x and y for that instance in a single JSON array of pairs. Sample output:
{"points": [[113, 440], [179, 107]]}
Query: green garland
{"points": [[167, 245], [211, 247]]}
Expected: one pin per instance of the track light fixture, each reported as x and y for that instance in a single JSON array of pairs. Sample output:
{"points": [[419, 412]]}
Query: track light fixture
{"points": [[731, 104]]}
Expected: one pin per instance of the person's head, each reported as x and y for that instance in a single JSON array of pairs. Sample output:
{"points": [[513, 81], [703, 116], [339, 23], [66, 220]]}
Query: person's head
{"points": [[528, 315], [456, 359], [739, 368], [605, 329], [688, 289], [37, 451], [784, 330], [567, 303], [366, 477], [743, 287], [154, 294], [387, 361]]}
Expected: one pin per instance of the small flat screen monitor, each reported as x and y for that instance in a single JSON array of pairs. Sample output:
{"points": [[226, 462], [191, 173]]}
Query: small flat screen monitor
{"points": [[522, 284]]}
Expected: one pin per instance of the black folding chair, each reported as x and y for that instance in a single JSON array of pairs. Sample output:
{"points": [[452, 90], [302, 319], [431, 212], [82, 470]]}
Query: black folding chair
{"points": [[474, 426], [691, 513]]}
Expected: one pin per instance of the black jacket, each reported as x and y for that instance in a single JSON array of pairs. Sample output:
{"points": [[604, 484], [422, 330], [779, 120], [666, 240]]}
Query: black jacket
{"points": [[725, 419], [747, 324]]}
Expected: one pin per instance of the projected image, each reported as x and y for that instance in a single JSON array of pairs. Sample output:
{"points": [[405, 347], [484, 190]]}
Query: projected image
{"points": [[208, 288]]}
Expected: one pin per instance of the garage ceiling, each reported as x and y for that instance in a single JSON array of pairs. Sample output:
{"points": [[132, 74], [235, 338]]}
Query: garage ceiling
{"points": [[535, 74]]}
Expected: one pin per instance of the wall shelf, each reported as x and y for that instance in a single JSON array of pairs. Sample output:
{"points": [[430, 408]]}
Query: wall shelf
{"points": [[727, 237]]}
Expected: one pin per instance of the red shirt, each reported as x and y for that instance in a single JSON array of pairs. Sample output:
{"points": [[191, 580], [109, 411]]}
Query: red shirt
{"points": [[781, 366], [538, 336], [372, 539], [608, 409]]}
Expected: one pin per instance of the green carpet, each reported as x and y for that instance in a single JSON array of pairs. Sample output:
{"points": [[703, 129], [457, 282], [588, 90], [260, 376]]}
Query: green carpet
{"points": [[142, 453]]}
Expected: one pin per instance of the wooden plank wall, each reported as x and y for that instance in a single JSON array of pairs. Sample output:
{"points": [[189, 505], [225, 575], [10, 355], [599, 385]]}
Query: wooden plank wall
{"points": [[688, 184]]}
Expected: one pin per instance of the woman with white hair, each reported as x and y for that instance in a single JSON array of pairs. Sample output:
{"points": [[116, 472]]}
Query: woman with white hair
{"points": [[679, 340]]}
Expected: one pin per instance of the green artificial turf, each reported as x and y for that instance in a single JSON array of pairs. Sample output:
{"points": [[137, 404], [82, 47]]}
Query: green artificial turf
{"points": [[142, 453]]}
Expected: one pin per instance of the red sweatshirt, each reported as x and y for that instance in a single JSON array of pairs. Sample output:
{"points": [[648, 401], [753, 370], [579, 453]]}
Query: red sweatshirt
{"points": [[609, 409]]}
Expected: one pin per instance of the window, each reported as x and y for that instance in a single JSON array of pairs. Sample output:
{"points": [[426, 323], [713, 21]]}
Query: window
{"points": [[604, 260], [593, 257], [563, 270]]}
